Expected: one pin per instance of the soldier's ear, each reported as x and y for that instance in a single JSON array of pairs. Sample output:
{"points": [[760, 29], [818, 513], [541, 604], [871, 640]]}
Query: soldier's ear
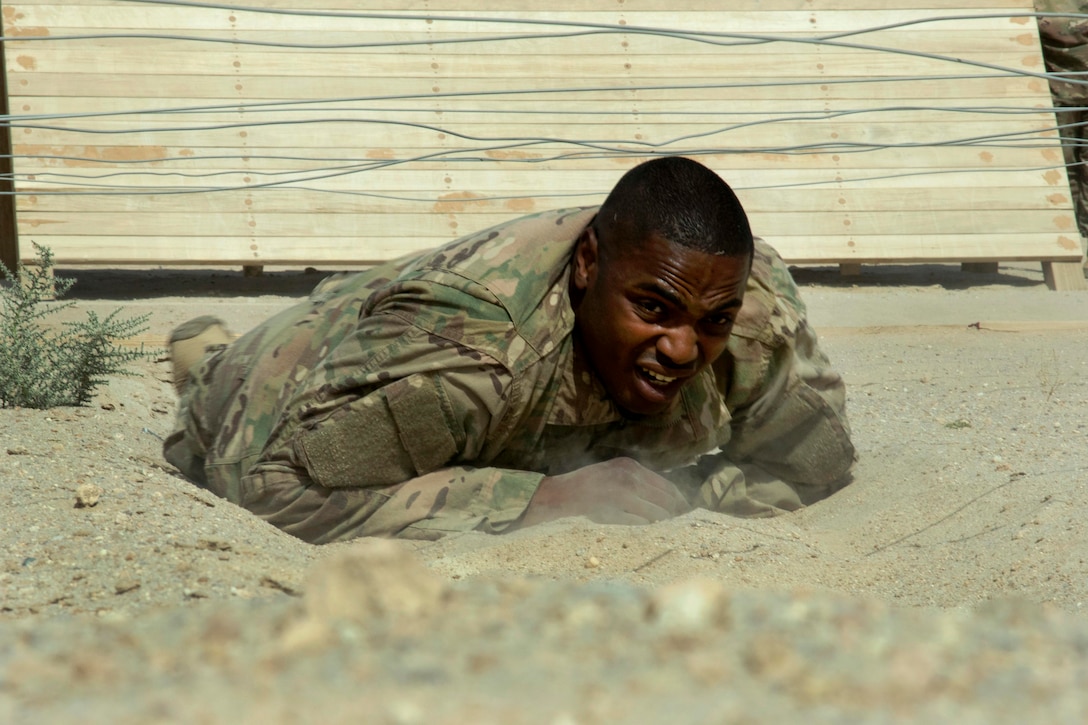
{"points": [[586, 258]]}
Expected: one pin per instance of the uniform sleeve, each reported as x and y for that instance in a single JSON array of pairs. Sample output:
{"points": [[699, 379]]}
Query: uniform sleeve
{"points": [[427, 507], [390, 436], [789, 442]]}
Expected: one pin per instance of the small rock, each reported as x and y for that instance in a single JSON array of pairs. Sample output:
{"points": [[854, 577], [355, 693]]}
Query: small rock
{"points": [[405, 712], [690, 606], [592, 562], [125, 585], [374, 578], [87, 495]]}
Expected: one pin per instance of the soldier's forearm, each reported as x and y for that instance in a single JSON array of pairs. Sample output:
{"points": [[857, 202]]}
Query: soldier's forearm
{"points": [[458, 498]]}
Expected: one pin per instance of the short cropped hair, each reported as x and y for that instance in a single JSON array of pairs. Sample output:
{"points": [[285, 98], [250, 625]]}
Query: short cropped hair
{"points": [[681, 200]]}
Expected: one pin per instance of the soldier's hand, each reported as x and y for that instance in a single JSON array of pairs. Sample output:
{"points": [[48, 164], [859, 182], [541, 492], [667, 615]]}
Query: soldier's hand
{"points": [[618, 491]]}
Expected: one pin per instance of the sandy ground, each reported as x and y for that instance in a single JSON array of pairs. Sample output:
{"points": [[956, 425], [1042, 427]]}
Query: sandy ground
{"points": [[948, 584]]}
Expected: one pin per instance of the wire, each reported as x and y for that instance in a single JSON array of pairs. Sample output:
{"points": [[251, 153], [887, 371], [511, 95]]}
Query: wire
{"points": [[94, 175]]}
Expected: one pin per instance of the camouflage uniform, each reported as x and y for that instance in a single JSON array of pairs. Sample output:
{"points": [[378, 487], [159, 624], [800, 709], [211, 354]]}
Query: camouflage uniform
{"points": [[1065, 51], [433, 393]]}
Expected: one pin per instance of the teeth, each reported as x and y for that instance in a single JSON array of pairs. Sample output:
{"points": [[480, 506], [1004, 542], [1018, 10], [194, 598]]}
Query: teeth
{"points": [[661, 379]]}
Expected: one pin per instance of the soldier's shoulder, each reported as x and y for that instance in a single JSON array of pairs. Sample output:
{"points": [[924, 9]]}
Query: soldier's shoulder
{"points": [[519, 264], [772, 303], [517, 245]]}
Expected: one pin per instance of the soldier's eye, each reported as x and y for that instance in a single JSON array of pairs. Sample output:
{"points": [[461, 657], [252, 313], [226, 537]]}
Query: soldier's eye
{"points": [[718, 324], [650, 307]]}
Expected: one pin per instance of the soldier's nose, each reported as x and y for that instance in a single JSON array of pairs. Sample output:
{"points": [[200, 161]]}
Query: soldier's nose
{"points": [[679, 346]]}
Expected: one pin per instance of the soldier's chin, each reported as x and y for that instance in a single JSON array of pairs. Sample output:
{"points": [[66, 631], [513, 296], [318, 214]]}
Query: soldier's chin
{"points": [[645, 398]]}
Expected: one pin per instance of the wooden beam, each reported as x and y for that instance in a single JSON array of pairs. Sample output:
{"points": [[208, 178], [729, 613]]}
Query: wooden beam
{"points": [[9, 235], [1064, 276]]}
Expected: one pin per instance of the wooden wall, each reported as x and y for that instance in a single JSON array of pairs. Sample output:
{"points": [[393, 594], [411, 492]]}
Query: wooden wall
{"points": [[346, 131]]}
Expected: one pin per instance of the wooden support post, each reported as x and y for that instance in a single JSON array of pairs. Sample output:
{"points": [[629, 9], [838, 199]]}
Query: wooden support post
{"points": [[1064, 276], [9, 235], [979, 267]]}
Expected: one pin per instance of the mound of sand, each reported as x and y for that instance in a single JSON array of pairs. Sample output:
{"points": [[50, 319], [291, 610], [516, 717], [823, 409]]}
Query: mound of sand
{"points": [[946, 584]]}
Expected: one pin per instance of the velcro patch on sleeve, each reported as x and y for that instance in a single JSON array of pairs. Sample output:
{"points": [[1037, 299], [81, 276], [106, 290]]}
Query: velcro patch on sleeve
{"points": [[394, 434], [419, 408]]}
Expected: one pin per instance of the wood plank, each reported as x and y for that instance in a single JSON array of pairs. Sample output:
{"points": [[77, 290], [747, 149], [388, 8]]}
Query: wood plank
{"points": [[9, 235], [848, 122], [503, 183], [557, 195], [424, 221], [847, 141], [514, 68], [906, 248], [1064, 276], [514, 110], [127, 16], [766, 201], [89, 160], [563, 5], [448, 40], [645, 104], [369, 41], [173, 86], [806, 249]]}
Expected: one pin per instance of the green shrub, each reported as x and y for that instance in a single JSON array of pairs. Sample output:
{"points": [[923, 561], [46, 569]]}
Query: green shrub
{"points": [[43, 368]]}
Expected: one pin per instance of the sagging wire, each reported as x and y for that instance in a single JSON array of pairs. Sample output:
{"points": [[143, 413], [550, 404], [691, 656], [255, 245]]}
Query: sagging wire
{"points": [[591, 148]]}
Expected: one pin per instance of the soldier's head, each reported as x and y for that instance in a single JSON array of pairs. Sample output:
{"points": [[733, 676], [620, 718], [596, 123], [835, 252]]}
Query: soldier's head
{"points": [[658, 279]]}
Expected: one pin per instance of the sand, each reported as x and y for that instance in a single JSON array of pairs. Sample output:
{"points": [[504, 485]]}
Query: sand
{"points": [[948, 583]]}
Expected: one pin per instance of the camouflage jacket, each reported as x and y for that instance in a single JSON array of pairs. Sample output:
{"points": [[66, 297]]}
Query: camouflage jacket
{"points": [[433, 393], [1065, 49]]}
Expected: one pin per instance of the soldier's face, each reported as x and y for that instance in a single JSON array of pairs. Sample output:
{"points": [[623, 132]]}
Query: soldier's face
{"points": [[650, 316]]}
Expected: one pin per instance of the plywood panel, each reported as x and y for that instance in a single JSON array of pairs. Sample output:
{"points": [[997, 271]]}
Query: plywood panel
{"points": [[354, 130]]}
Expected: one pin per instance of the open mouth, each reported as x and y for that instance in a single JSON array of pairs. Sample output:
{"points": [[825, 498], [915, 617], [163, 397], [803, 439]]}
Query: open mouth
{"points": [[652, 392], [656, 379]]}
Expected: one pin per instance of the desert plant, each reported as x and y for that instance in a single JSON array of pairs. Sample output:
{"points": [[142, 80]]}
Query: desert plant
{"points": [[42, 367]]}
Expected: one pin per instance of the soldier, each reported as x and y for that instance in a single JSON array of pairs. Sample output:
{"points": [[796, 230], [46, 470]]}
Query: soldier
{"points": [[1065, 52], [624, 363]]}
